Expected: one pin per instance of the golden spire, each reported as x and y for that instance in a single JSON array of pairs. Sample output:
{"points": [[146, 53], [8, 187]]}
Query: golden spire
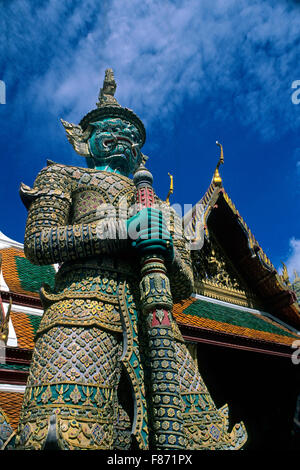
{"points": [[217, 178], [285, 275], [107, 92], [170, 190]]}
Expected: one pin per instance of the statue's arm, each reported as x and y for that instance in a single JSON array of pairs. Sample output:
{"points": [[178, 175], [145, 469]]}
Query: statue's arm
{"points": [[181, 272], [180, 269], [49, 237]]}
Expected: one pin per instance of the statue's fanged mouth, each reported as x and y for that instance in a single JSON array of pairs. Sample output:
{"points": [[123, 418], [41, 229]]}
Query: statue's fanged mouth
{"points": [[115, 140]]}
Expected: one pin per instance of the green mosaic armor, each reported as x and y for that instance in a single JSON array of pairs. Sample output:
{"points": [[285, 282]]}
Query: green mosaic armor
{"points": [[79, 341], [92, 336]]}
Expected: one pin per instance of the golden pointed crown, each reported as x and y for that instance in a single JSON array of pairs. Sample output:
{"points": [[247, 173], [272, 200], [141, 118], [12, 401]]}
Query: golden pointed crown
{"points": [[108, 107], [106, 95]]}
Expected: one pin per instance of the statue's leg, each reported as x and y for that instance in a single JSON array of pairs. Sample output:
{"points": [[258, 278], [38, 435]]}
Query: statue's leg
{"points": [[73, 380], [206, 427]]}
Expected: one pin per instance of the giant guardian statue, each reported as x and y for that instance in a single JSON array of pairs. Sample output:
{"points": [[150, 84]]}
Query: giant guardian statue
{"points": [[110, 368]]}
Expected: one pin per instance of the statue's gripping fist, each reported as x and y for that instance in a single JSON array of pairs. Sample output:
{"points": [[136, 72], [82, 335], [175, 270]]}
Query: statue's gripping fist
{"points": [[149, 234]]}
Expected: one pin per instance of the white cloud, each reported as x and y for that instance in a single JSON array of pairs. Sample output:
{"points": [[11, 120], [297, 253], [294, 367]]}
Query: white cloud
{"points": [[293, 261], [240, 56]]}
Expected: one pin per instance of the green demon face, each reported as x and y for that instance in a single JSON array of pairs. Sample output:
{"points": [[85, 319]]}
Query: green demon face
{"points": [[116, 143]]}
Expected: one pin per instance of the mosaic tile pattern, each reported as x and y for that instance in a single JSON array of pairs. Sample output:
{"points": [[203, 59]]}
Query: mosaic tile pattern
{"points": [[21, 276], [228, 320]]}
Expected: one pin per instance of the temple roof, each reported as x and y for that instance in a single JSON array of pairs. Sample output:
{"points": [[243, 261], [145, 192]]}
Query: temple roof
{"points": [[208, 315], [6, 242], [10, 404], [20, 282], [220, 217], [25, 326], [20, 275]]}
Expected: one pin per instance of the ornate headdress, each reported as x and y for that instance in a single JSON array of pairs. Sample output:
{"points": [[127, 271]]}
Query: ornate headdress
{"points": [[107, 107]]}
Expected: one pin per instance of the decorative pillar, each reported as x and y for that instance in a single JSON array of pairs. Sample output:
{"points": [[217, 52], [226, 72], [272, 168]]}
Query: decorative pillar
{"points": [[166, 423]]}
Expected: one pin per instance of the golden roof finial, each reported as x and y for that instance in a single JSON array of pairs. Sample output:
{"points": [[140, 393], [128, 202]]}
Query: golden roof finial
{"points": [[4, 328], [296, 275], [170, 190], [285, 275], [217, 178]]}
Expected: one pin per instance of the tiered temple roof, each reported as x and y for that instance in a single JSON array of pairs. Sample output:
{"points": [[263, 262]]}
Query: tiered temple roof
{"points": [[207, 320], [240, 299], [20, 282]]}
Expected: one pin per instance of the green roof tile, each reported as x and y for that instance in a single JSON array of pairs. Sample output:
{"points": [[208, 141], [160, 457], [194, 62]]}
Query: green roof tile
{"points": [[32, 277], [14, 366], [233, 316], [35, 321]]}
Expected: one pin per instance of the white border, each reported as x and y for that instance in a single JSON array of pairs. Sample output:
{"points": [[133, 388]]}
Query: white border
{"points": [[12, 388]]}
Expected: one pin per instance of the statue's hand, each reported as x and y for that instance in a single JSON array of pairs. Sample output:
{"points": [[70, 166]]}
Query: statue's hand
{"points": [[149, 234]]}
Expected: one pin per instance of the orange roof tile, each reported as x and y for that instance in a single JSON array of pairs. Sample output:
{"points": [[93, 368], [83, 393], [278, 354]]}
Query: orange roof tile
{"points": [[11, 403], [25, 326], [10, 272], [21, 276], [262, 327]]}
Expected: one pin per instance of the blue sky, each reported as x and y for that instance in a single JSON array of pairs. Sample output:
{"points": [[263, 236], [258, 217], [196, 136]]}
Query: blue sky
{"points": [[194, 71]]}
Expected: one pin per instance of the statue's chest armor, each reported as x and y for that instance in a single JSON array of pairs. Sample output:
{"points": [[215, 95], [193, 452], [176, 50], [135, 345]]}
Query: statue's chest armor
{"points": [[99, 194]]}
